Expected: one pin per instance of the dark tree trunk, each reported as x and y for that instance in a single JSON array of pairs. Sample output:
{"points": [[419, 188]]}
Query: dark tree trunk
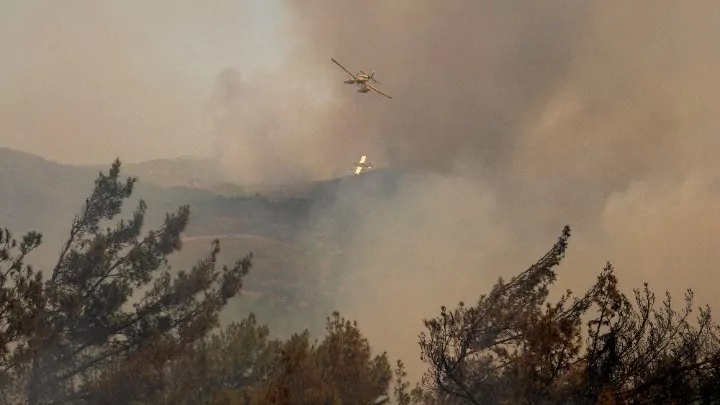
{"points": [[33, 387]]}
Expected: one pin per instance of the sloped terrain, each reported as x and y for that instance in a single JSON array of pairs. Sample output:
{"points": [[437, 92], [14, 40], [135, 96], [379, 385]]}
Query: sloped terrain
{"points": [[295, 232], [285, 285]]}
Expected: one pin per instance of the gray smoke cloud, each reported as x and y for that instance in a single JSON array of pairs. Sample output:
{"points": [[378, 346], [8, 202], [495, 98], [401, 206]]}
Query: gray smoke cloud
{"points": [[526, 116], [511, 119], [265, 130]]}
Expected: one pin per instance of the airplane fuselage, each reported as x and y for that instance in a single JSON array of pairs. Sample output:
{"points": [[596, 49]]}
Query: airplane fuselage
{"points": [[360, 79]]}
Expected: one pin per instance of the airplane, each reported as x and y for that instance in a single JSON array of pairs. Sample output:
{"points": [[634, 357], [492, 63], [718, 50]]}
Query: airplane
{"points": [[362, 79], [359, 166]]}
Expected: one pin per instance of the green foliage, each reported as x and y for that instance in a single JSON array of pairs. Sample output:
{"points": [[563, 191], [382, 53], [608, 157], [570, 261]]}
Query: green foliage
{"points": [[241, 365], [21, 304], [416, 396], [77, 330], [113, 324], [339, 370]]}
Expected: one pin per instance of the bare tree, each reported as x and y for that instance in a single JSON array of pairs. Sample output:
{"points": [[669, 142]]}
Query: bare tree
{"points": [[513, 346]]}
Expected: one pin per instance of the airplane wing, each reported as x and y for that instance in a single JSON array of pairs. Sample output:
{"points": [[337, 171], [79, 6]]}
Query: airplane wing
{"points": [[378, 90], [343, 68], [362, 159], [358, 170]]}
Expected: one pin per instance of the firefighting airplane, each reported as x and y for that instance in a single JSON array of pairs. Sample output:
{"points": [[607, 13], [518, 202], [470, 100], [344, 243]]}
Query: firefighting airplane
{"points": [[359, 166], [361, 79]]}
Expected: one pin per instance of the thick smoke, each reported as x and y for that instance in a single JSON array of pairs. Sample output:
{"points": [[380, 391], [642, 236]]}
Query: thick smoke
{"points": [[530, 115], [264, 130], [523, 116]]}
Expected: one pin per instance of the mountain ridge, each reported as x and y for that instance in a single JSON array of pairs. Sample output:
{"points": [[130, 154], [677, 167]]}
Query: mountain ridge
{"points": [[42, 195]]}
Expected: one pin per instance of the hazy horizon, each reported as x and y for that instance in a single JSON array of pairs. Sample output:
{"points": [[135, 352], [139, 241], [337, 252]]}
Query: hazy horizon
{"points": [[132, 80]]}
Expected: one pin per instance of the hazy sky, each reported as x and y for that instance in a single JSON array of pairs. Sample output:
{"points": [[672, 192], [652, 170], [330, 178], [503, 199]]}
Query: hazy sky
{"points": [[528, 115], [84, 81]]}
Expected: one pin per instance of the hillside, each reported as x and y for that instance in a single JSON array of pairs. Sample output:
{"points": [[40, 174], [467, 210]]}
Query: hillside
{"points": [[295, 232], [37, 194], [205, 174], [285, 286], [178, 172]]}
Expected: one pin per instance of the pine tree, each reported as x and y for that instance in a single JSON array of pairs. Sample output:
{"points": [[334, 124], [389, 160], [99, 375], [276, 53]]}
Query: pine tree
{"points": [[111, 304], [513, 346]]}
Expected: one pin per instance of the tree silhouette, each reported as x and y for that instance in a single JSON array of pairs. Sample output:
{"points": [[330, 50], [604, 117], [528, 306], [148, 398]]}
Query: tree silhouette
{"points": [[21, 304], [110, 304], [112, 324], [339, 370], [241, 365], [513, 346]]}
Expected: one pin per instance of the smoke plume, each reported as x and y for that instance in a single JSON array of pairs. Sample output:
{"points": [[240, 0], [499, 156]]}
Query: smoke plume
{"points": [[528, 115], [508, 120]]}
